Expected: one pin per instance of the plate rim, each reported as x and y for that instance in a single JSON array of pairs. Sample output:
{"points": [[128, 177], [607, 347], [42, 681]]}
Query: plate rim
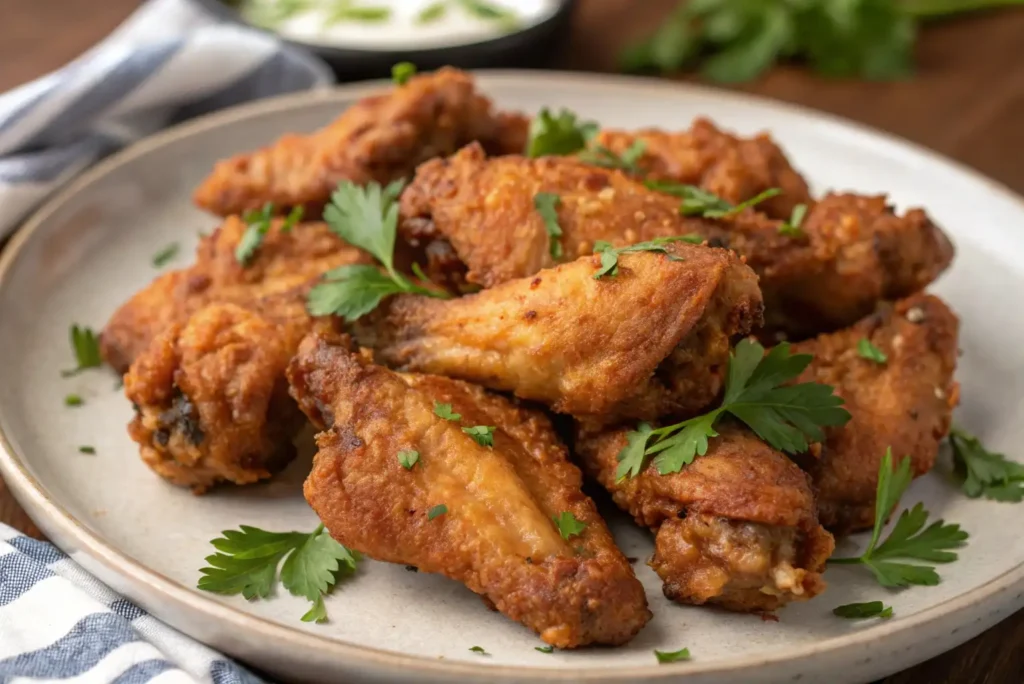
{"points": [[60, 525]]}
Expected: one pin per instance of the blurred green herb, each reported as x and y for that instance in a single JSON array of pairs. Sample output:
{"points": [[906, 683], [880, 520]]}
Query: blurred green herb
{"points": [[347, 10], [402, 72], [737, 40]]}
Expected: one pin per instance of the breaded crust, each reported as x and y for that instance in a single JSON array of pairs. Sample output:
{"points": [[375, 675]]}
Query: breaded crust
{"points": [[650, 341], [905, 403], [736, 528], [497, 535], [380, 138]]}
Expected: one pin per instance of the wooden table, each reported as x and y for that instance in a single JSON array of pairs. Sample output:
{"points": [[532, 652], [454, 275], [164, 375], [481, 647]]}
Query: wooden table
{"points": [[967, 101]]}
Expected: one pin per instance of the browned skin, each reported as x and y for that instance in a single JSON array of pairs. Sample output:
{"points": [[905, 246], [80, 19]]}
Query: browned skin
{"points": [[905, 403], [274, 282], [736, 528], [731, 167], [650, 341], [211, 397], [475, 220], [380, 138], [497, 536]]}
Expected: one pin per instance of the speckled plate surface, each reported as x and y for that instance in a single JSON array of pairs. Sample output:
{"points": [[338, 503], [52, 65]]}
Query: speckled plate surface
{"points": [[91, 247]]}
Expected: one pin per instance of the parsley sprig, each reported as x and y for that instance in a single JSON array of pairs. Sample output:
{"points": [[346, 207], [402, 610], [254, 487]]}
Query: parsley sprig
{"points": [[700, 202], [481, 434], [788, 417], [866, 349], [366, 217], [546, 204], [610, 255], [247, 560], [258, 226], [558, 134], [860, 611], [568, 525], [909, 540], [599, 155], [85, 344], [793, 227], [985, 473], [401, 72], [672, 656]]}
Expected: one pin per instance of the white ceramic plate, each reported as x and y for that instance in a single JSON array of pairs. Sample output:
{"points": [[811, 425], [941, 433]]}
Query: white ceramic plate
{"points": [[90, 248]]}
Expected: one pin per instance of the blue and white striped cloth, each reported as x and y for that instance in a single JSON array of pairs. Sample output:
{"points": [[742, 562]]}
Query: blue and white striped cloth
{"points": [[168, 61], [58, 622]]}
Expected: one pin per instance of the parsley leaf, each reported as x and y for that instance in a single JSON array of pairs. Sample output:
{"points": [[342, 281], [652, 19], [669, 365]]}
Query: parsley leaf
{"points": [[700, 202], [247, 559], [366, 217], [432, 12], [481, 434], [347, 10], [73, 400], [792, 227], [560, 134], [544, 649], [403, 71], [909, 540], [672, 656], [258, 223], [86, 449], [610, 255], [867, 350], [165, 255], [546, 204], [788, 417], [480, 650], [599, 155], [985, 473], [408, 458], [568, 525], [445, 411], [859, 611], [86, 347], [437, 510]]}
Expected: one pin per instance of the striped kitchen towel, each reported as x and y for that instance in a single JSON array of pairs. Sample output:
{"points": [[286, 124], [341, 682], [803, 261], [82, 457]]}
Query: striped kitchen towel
{"points": [[57, 622], [168, 61]]}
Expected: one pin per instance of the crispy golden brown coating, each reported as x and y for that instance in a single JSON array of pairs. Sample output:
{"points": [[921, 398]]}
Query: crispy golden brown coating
{"points": [[274, 282], [736, 528], [212, 400], [731, 167], [380, 138], [475, 220], [497, 535], [650, 341], [905, 403]]}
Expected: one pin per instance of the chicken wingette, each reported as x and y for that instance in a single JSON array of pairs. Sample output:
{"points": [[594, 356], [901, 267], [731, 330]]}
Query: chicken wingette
{"points": [[380, 138], [651, 340], [734, 168], [904, 403], [274, 282], [736, 528], [479, 510], [475, 220]]}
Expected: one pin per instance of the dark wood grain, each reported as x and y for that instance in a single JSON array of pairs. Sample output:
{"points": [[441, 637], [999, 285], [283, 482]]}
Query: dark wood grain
{"points": [[966, 101]]}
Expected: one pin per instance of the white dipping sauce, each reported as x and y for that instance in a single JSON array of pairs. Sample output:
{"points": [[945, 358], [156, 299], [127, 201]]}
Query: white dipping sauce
{"points": [[401, 31]]}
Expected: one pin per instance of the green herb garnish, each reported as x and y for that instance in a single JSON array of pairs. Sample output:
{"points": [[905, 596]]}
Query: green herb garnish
{"points": [[599, 155], [792, 227], [402, 72], [161, 258], [610, 255], [786, 416], [432, 13], [860, 611], [86, 449], [247, 559], [258, 226], [348, 10], [73, 400], [700, 202], [909, 539], [445, 411], [561, 134], [408, 458], [487, 11], [481, 434], [85, 344], [568, 525], [672, 656], [867, 350], [546, 204], [479, 649], [437, 510], [544, 649], [985, 473], [366, 217]]}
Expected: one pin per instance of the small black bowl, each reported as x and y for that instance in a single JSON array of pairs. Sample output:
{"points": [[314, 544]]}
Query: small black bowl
{"points": [[535, 46]]}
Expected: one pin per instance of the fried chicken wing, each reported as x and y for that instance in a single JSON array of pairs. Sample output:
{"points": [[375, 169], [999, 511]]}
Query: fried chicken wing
{"points": [[380, 138], [905, 403], [495, 534], [275, 282], [736, 169], [211, 397], [736, 528], [649, 341], [475, 220]]}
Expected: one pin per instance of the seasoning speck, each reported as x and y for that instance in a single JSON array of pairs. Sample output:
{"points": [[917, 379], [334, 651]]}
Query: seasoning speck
{"points": [[915, 314], [940, 393]]}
